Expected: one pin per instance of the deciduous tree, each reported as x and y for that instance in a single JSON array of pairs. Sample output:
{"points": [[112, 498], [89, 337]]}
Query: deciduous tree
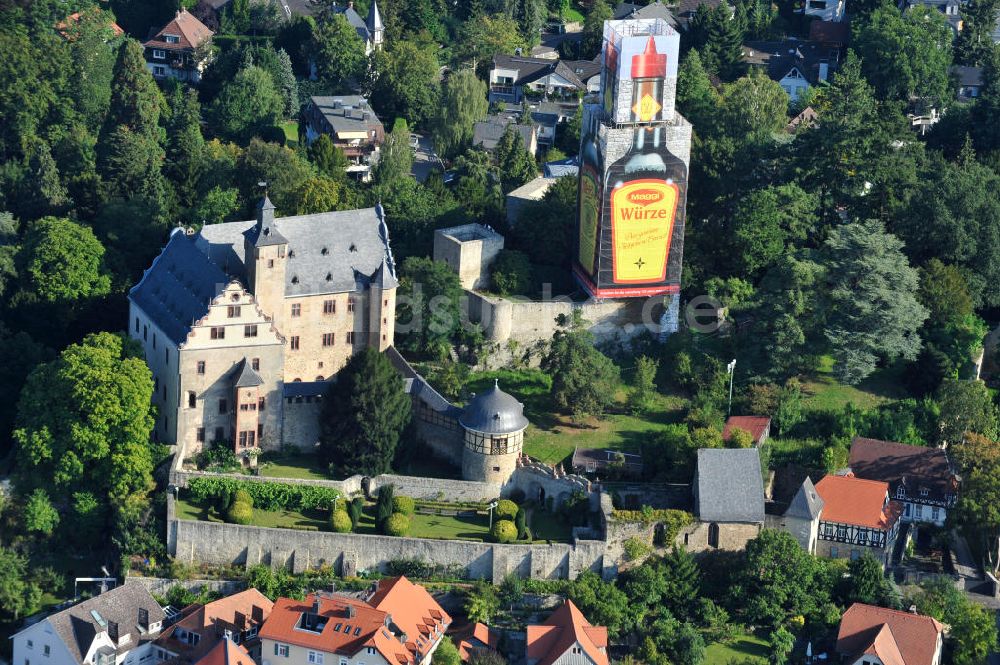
{"points": [[463, 103], [584, 380], [247, 105]]}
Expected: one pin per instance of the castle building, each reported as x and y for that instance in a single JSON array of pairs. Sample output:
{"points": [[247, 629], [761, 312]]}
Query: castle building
{"points": [[244, 323], [493, 425]]}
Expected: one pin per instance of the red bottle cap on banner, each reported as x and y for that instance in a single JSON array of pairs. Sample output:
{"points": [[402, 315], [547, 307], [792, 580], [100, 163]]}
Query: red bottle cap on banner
{"points": [[649, 64]]}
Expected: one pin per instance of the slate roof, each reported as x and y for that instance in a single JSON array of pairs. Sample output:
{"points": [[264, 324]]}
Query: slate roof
{"points": [[330, 252], [687, 8], [807, 503], [246, 377], [897, 638], [850, 500], [584, 69], [190, 32], [779, 58], [77, 626], [417, 386], [355, 20], [488, 132], [656, 9], [176, 290], [564, 629], [968, 76], [913, 467], [562, 167], [530, 70], [347, 113], [728, 486], [266, 233], [494, 412]]}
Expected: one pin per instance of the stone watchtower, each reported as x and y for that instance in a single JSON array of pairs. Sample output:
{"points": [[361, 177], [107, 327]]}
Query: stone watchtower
{"points": [[266, 257], [493, 424]]}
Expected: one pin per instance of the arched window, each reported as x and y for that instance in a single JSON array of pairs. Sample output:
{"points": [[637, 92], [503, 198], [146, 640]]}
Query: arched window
{"points": [[713, 535]]}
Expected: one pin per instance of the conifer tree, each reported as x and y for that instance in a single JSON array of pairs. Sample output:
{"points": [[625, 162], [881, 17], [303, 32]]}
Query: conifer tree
{"points": [[185, 145]]}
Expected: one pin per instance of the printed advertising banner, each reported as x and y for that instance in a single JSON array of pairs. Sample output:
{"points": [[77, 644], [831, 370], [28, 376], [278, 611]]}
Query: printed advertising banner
{"points": [[631, 212]]}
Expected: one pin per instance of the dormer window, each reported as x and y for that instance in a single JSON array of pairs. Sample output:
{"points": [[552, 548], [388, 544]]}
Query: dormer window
{"points": [[924, 491], [329, 277], [171, 39], [295, 279], [324, 251]]}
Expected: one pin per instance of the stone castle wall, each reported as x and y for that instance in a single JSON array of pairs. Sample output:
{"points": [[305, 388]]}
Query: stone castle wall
{"points": [[732, 536]]}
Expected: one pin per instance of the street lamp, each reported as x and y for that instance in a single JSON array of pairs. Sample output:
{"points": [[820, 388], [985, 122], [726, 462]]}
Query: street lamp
{"points": [[493, 504], [731, 369]]}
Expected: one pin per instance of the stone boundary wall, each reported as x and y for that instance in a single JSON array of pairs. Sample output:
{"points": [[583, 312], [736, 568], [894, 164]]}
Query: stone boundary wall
{"points": [[430, 489], [215, 543], [161, 585]]}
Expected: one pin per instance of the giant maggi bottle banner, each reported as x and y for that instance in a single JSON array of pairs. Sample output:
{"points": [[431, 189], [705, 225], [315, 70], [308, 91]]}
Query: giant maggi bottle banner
{"points": [[631, 211]]}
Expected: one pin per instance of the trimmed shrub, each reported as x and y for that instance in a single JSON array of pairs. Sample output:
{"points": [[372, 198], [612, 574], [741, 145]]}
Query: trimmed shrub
{"points": [[397, 525], [240, 513], [355, 508], [403, 504], [341, 522], [504, 531], [506, 509], [520, 521], [243, 496], [383, 506]]}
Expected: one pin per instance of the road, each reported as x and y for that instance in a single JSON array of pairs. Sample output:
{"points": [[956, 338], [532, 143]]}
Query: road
{"points": [[425, 160]]}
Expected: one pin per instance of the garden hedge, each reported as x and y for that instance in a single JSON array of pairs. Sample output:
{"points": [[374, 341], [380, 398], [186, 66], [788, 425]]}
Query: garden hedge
{"points": [[403, 504], [265, 495]]}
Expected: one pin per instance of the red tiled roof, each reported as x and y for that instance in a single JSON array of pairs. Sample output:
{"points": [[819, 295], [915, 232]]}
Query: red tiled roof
{"points": [[234, 612], [850, 500], [475, 636], [64, 27], [190, 32], [897, 638], [755, 425], [397, 609], [226, 652], [564, 629]]}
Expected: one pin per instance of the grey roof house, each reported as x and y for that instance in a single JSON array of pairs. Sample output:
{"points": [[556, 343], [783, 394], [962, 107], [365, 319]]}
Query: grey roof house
{"points": [[352, 125], [488, 132], [512, 77], [656, 9], [114, 628], [969, 80], [794, 64], [728, 486], [370, 29]]}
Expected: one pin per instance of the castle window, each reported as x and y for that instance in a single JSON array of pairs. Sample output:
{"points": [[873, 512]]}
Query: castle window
{"points": [[200, 435], [296, 310], [166, 356], [295, 279], [201, 366], [350, 305], [295, 342], [154, 340], [329, 276], [260, 432], [192, 399], [233, 311], [218, 332], [234, 298], [255, 363], [385, 303], [145, 333], [321, 378], [223, 407], [260, 404], [137, 324], [270, 263], [281, 252], [250, 331], [327, 339], [329, 306], [350, 338]]}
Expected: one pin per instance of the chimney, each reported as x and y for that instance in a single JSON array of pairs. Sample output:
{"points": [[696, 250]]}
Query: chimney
{"points": [[143, 619], [350, 4], [113, 631], [824, 71], [350, 611], [316, 604]]}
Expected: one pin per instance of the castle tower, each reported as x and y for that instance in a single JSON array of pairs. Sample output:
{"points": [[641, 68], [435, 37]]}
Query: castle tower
{"points": [[247, 400], [382, 304], [265, 252], [374, 24], [494, 425], [634, 150]]}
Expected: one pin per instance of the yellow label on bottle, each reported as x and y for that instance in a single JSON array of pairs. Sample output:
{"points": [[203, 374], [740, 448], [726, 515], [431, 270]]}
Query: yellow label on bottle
{"points": [[642, 221], [646, 108]]}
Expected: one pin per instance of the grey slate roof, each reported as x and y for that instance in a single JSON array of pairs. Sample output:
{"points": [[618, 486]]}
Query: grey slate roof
{"points": [[968, 76], [807, 503], [246, 377], [176, 290], [778, 58], [417, 386], [530, 70], [562, 167], [266, 233], [330, 252], [488, 132], [494, 412], [657, 9], [355, 20], [304, 388], [728, 485], [347, 113], [77, 626]]}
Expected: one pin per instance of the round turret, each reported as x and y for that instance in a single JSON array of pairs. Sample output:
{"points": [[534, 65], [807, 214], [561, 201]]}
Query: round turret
{"points": [[494, 425]]}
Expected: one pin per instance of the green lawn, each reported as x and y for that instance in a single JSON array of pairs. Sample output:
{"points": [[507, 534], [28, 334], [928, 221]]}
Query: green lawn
{"points": [[304, 467], [823, 392], [739, 649], [436, 527], [291, 128]]}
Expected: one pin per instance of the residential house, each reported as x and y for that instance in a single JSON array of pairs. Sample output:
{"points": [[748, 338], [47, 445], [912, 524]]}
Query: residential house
{"points": [[566, 638], [521, 198], [180, 50], [877, 635], [921, 478], [487, 133], [475, 637], [370, 29], [243, 324], [352, 125], [857, 517], [794, 64], [562, 167], [115, 628], [396, 623], [758, 427], [226, 652], [235, 620], [728, 500], [655, 9], [825, 10], [605, 461], [952, 9], [514, 77], [969, 79]]}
